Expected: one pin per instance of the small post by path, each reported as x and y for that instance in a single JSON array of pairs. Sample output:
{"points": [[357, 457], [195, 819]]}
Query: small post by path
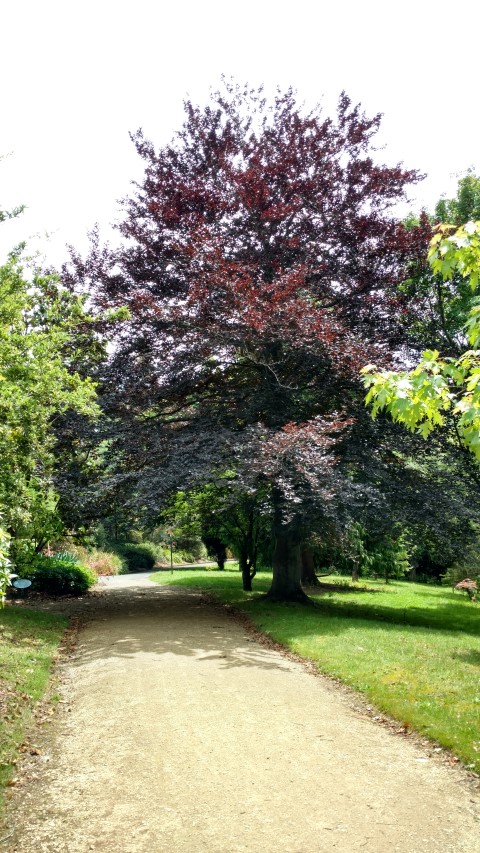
{"points": [[171, 543]]}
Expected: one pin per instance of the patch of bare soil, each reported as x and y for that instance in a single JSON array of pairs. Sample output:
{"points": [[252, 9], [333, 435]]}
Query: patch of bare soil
{"points": [[179, 731]]}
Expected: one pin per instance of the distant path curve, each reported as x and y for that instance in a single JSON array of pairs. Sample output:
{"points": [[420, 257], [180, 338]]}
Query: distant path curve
{"points": [[179, 734]]}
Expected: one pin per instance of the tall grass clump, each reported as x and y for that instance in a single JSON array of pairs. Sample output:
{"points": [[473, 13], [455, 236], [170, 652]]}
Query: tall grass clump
{"points": [[100, 561]]}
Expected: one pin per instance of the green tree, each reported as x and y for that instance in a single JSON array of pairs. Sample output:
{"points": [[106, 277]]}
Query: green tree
{"points": [[224, 517], [465, 207], [435, 309], [438, 390], [39, 322]]}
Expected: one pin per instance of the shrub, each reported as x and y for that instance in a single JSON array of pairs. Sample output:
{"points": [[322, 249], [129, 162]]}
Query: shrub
{"points": [[144, 556], [61, 574], [140, 557], [191, 549], [468, 566], [105, 563]]}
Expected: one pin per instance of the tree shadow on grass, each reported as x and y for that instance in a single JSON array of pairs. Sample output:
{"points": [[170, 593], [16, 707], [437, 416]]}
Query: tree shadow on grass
{"points": [[444, 618], [471, 657], [447, 615], [341, 587]]}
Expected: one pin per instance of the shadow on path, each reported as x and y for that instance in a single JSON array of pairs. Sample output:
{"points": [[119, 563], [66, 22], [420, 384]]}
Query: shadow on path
{"points": [[188, 626]]}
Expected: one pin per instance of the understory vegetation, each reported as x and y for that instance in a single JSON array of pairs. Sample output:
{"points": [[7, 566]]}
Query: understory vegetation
{"points": [[413, 650]]}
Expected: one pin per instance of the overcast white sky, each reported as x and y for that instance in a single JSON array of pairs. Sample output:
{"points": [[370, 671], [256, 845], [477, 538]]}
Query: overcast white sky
{"points": [[78, 76]]}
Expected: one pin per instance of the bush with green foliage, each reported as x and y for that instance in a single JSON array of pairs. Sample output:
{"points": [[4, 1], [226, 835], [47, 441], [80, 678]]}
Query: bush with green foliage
{"points": [[188, 546], [143, 556], [191, 549], [140, 556], [60, 574]]}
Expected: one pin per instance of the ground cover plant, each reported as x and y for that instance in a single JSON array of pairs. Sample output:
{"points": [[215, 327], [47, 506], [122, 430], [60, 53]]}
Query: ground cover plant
{"points": [[412, 649], [28, 642]]}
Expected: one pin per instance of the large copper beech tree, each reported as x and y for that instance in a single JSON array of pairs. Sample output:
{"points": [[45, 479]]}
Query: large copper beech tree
{"points": [[260, 266]]}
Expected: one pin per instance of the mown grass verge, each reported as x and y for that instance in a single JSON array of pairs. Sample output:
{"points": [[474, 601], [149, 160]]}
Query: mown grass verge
{"points": [[413, 650], [28, 642]]}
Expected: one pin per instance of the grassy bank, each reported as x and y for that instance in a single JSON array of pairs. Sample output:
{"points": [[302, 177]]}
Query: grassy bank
{"points": [[28, 641], [413, 650]]}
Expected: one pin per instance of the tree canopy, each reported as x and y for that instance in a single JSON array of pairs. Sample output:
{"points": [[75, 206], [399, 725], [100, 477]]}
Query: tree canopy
{"points": [[465, 207], [422, 398], [40, 326], [260, 267]]}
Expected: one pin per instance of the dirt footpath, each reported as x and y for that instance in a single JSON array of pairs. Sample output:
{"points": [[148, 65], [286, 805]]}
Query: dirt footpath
{"points": [[180, 733]]}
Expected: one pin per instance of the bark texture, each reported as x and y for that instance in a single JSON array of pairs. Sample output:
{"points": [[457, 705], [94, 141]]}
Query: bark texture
{"points": [[286, 581], [308, 575]]}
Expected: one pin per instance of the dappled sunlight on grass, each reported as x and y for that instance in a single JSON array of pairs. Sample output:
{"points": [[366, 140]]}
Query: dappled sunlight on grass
{"points": [[406, 603]]}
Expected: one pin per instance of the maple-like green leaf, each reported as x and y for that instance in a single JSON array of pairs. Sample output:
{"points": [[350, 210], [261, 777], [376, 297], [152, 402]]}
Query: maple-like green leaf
{"points": [[419, 398]]}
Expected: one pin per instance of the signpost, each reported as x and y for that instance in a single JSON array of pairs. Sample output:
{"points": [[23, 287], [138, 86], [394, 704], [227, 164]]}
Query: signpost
{"points": [[169, 537]]}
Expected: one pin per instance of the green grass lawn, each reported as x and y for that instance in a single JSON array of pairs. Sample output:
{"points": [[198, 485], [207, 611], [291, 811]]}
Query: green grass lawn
{"points": [[28, 641], [413, 650]]}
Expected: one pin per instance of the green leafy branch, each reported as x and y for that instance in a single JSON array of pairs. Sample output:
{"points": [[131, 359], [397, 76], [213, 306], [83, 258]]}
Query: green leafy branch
{"points": [[421, 398]]}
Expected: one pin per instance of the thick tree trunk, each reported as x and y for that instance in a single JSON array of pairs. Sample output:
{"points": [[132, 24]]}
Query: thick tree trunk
{"points": [[308, 575], [247, 566], [286, 581]]}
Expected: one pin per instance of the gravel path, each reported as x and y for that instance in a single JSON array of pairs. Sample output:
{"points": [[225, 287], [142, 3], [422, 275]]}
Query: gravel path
{"points": [[178, 732]]}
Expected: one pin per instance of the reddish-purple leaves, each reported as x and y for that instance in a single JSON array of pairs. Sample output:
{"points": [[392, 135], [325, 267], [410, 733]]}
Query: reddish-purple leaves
{"points": [[261, 269]]}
